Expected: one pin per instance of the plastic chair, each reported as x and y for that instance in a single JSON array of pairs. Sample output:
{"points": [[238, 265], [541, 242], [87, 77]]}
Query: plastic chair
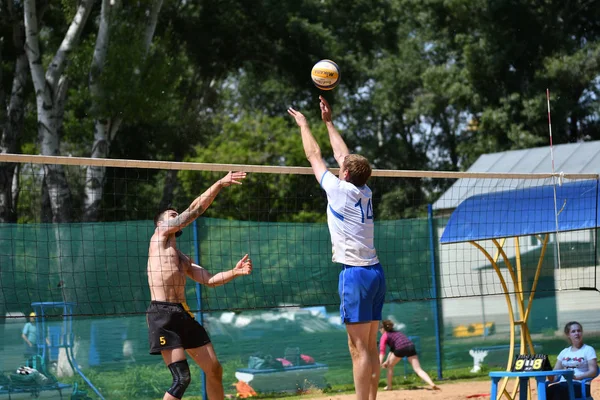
{"points": [[584, 386]]}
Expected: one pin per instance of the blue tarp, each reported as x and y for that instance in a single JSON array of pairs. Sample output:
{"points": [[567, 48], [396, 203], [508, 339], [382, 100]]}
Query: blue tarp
{"points": [[523, 212]]}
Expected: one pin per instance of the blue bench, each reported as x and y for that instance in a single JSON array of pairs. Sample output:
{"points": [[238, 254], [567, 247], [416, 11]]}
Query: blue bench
{"points": [[540, 378], [289, 379]]}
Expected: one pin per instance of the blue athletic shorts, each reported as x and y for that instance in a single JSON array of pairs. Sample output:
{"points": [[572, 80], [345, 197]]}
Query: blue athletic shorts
{"points": [[362, 293]]}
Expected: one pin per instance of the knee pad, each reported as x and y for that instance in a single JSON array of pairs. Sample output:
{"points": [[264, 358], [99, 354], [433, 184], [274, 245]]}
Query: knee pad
{"points": [[181, 378]]}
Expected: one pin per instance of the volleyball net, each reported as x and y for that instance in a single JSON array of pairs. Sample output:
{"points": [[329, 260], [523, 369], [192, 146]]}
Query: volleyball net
{"points": [[77, 231]]}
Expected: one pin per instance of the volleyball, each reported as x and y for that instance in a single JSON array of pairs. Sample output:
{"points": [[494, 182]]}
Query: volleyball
{"points": [[325, 75]]}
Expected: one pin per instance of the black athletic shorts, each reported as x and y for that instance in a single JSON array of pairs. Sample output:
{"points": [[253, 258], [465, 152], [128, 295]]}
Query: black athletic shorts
{"points": [[170, 326], [407, 351]]}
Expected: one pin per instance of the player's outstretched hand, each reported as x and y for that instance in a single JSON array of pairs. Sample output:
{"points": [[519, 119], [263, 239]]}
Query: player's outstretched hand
{"points": [[298, 116], [325, 109], [233, 178], [244, 266]]}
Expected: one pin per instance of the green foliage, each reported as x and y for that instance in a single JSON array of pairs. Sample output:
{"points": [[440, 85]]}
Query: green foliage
{"points": [[69, 8], [424, 85], [259, 140]]}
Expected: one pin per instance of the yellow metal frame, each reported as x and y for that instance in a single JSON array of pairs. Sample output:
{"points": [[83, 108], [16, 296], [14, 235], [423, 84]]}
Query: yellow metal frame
{"points": [[515, 275]]}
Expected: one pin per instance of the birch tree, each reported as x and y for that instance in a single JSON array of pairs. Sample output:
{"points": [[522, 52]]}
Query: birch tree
{"points": [[11, 112], [107, 126], [50, 87]]}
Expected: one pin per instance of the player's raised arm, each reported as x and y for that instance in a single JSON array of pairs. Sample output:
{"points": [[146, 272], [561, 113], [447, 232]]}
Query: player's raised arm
{"points": [[311, 147], [201, 203], [340, 150], [202, 276]]}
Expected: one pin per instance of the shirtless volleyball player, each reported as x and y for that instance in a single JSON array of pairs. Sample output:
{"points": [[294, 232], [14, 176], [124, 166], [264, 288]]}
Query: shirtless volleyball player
{"points": [[172, 329]]}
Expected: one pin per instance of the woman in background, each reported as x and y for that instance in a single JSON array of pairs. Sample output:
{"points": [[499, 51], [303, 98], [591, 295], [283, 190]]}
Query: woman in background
{"points": [[400, 346], [579, 357]]}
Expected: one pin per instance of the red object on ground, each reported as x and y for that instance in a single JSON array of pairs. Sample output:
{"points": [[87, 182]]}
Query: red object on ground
{"points": [[244, 390]]}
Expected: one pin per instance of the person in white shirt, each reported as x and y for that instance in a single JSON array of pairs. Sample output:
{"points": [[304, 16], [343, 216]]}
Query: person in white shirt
{"points": [[350, 219], [579, 357]]}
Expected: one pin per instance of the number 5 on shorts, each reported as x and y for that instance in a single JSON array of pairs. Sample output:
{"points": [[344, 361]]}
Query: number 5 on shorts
{"points": [[163, 341]]}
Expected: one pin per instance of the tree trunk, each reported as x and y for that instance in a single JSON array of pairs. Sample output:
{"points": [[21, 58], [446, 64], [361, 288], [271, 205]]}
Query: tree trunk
{"points": [[11, 119], [106, 128], [95, 176], [2, 91], [46, 207], [16, 188], [7, 207], [50, 92]]}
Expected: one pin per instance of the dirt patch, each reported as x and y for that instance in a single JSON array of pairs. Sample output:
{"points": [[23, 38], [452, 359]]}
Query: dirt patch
{"points": [[450, 391]]}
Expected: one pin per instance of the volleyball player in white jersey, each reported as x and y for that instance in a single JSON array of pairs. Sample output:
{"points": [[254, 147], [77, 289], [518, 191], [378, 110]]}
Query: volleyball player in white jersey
{"points": [[350, 220]]}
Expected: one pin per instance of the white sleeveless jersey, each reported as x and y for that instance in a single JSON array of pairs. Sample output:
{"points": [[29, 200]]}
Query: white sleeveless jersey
{"points": [[350, 220]]}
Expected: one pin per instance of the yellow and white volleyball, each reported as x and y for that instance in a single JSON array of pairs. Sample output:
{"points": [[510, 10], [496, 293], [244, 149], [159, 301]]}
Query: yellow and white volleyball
{"points": [[325, 75]]}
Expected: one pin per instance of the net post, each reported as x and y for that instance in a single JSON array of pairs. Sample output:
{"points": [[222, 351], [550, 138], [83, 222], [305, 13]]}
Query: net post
{"points": [[199, 299], [596, 236], [436, 310]]}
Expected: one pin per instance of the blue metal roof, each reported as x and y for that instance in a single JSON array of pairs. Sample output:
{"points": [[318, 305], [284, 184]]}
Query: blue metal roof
{"points": [[525, 211], [570, 158]]}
